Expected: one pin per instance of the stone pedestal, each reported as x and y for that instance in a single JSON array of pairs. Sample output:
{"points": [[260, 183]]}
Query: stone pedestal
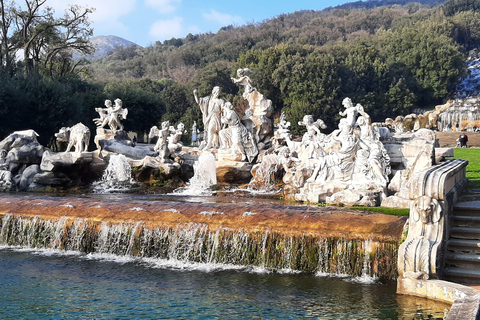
{"points": [[233, 172], [106, 134]]}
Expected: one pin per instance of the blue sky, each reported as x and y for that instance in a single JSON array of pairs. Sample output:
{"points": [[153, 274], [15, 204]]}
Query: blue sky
{"points": [[147, 21]]}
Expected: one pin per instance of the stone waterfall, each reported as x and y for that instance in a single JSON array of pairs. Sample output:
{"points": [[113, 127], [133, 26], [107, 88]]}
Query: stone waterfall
{"points": [[207, 237]]}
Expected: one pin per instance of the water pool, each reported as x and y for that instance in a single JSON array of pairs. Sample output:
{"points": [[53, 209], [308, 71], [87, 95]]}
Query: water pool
{"points": [[59, 285]]}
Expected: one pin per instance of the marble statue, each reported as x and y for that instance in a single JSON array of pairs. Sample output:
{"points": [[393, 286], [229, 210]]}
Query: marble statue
{"points": [[350, 112], [194, 134], [350, 165], [211, 107], [417, 255], [339, 164], [162, 144], [77, 136], [257, 116], [283, 124], [235, 137], [374, 156], [111, 115], [174, 143], [282, 132], [245, 81], [313, 139]]}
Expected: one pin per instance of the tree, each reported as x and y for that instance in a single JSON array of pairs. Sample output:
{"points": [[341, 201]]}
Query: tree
{"points": [[6, 47], [42, 37]]}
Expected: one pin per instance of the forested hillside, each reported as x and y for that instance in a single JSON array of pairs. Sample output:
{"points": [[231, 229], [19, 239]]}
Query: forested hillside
{"points": [[389, 58]]}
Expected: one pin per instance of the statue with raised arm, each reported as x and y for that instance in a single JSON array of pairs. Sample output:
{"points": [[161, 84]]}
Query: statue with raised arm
{"points": [[257, 116], [211, 107], [245, 81]]}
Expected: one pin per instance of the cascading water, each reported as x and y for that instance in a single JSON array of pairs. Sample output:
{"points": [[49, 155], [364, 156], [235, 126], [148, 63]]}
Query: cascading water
{"points": [[192, 243], [470, 85], [204, 177], [117, 177], [265, 176], [464, 110]]}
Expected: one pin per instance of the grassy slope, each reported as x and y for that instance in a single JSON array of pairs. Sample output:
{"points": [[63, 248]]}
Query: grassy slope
{"points": [[473, 169]]}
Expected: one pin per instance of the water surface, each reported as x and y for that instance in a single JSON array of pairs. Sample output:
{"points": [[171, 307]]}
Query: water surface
{"points": [[55, 285]]}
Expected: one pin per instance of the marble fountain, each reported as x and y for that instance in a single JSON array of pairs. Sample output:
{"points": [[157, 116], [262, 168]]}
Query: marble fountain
{"points": [[317, 175]]}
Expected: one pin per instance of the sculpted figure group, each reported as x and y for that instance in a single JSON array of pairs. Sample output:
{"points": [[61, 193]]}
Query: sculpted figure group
{"points": [[111, 115], [225, 130], [351, 157]]}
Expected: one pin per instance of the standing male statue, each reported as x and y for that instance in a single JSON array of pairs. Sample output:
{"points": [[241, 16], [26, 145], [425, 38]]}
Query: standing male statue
{"points": [[211, 107]]}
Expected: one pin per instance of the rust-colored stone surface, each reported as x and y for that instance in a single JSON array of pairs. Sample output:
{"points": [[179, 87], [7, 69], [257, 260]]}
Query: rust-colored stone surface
{"points": [[235, 214]]}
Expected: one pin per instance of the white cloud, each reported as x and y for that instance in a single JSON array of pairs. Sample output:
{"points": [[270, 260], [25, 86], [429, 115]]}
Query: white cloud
{"points": [[163, 6], [166, 29], [222, 18]]}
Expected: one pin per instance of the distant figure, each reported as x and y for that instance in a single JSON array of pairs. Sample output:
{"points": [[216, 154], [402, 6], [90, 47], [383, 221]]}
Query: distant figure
{"points": [[194, 133], [460, 141], [465, 140], [134, 142], [457, 127]]}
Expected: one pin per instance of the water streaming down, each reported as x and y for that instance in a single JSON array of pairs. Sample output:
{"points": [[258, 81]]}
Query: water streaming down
{"points": [[205, 176], [195, 243], [266, 175], [117, 177], [470, 85], [464, 110]]}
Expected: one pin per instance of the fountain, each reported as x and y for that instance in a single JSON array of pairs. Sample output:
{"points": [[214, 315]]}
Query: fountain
{"points": [[117, 177], [205, 176], [353, 165]]}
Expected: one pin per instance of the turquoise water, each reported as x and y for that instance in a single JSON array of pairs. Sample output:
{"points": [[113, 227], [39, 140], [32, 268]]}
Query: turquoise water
{"points": [[54, 285]]}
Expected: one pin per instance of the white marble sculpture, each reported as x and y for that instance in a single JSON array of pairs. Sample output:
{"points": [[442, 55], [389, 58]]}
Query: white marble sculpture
{"points": [[174, 142], [211, 107], [282, 132], [77, 136], [194, 134], [111, 115], [235, 138], [417, 255], [350, 165], [313, 140], [257, 116], [162, 144]]}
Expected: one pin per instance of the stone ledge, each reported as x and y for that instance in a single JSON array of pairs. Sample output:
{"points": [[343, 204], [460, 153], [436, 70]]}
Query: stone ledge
{"points": [[465, 300]]}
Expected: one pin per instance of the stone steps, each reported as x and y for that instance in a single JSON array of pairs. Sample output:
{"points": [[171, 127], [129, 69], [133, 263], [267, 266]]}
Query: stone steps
{"points": [[461, 275], [466, 221], [463, 245], [465, 211], [462, 259], [465, 233]]}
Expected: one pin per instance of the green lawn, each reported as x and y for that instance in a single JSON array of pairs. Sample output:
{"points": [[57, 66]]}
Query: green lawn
{"points": [[473, 169]]}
